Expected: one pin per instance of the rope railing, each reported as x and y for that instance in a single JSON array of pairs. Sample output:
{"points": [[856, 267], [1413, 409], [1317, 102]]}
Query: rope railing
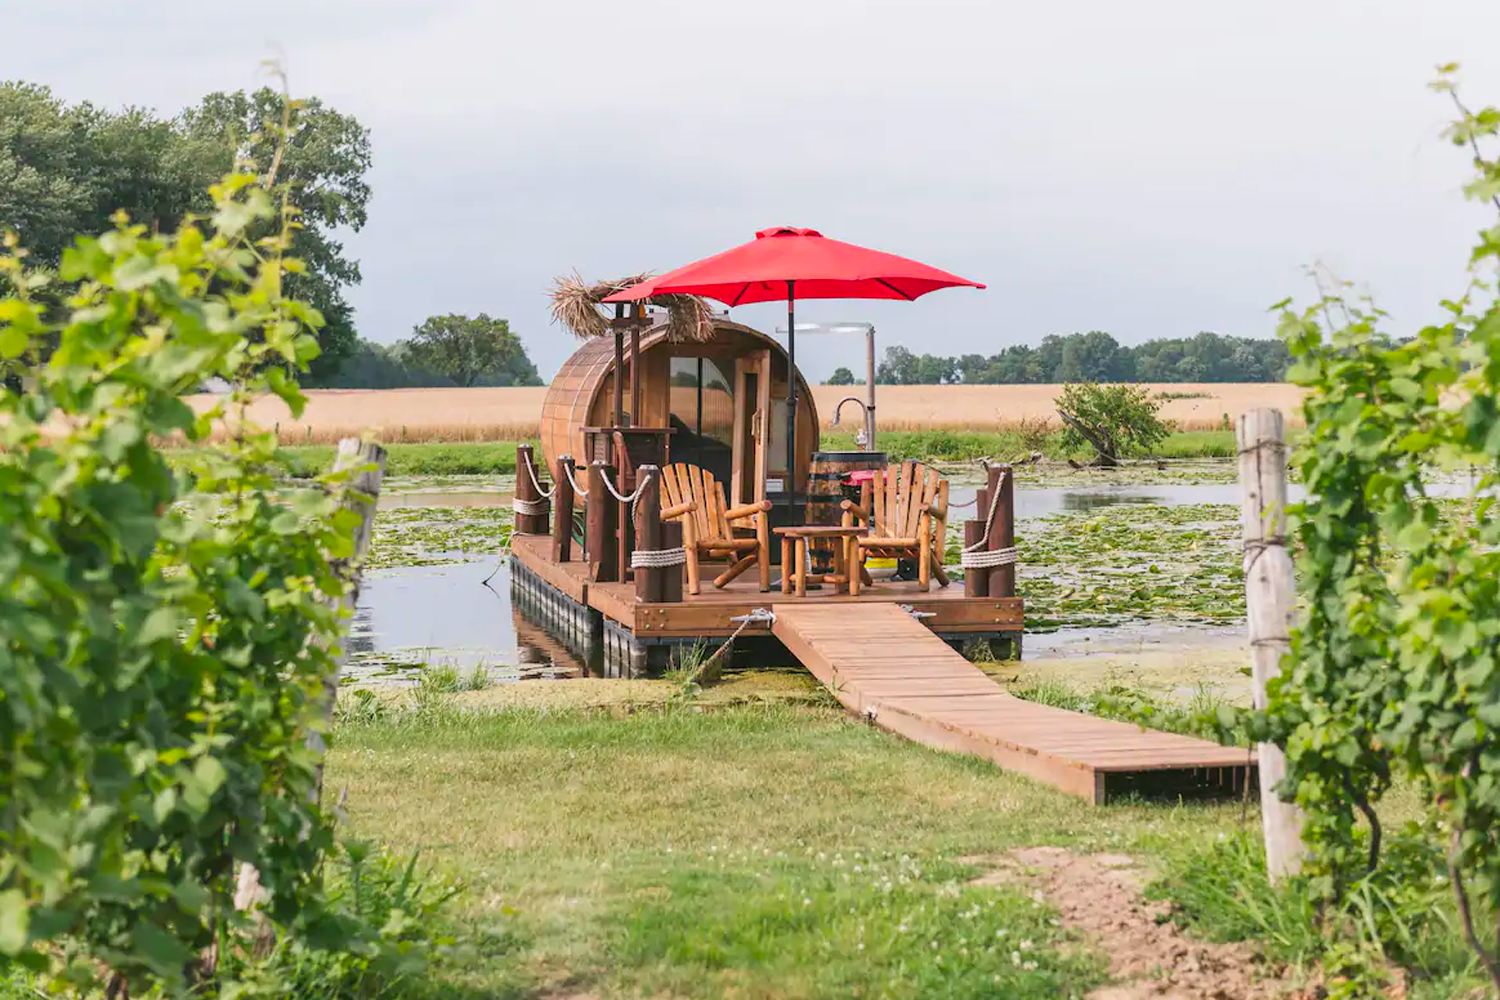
{"points": [[564, 464], [531, 471]]}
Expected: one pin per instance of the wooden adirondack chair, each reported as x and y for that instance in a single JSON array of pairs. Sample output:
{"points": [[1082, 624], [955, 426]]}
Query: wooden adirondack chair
{"points": [[907, 510], [696, 498]]}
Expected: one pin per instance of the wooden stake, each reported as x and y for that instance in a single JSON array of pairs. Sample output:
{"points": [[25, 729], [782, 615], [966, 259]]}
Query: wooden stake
{"points": [[1269, 597], [976, 581], [1003, 531], [362, 490], [526, 491], [562, 524], [649, 581], [601, 537], [671, 584]]}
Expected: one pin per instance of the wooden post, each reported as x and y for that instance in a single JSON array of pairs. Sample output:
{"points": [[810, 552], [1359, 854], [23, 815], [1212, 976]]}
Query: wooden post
{"points": [[976, 581], [671, 584], [562, 524], [1003, 531], [526, 491], [365, 461], [648, 581], [1269, 597], [601, 536]]}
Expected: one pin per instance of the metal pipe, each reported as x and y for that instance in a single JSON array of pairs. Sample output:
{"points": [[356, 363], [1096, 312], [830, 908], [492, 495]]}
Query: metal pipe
{"points": [[619, 366], [870, 386], [850, 399], [791, 397]]}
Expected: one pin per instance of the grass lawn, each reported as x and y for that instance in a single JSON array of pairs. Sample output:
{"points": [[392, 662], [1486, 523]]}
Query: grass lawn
{"points": [[746, 851]]}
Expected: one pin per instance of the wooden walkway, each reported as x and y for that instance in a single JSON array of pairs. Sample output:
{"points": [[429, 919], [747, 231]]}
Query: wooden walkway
{"points": [[885, 665]]}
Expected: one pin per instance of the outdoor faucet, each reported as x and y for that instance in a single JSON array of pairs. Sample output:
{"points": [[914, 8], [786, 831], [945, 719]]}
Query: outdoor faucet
{"points": [[846, 399]]}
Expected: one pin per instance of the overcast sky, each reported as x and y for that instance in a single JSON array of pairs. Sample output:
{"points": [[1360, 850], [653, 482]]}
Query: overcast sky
{"points": [[1152, 168]]}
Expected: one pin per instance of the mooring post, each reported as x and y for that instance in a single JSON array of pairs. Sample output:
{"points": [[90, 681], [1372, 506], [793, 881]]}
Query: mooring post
{"points": [[562, 524], [1003, 531], [601, 537], [671, 577], [624, 542], [1269, 597], [527, 495], [976, 581], [648, 580]]}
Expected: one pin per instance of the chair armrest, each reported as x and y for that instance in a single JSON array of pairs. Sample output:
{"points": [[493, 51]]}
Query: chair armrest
{"points": [[748, 510], [687, 507], [939, 511], [863, 514]]}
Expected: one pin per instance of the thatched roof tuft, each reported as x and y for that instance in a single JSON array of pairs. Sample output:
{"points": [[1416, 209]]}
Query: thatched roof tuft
{"points": [[575, 306]]}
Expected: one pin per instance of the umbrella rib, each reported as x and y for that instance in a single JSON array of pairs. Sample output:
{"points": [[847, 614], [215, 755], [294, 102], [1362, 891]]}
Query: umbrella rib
{"points": [[895, 289], [740, 294]]}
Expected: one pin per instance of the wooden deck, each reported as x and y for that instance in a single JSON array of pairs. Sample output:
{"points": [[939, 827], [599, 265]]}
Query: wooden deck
{"points": [[711, 613], [885, 665]]}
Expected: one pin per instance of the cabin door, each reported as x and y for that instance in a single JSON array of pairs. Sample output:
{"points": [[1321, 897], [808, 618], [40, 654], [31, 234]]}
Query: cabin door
{"points": [[751, 426]]}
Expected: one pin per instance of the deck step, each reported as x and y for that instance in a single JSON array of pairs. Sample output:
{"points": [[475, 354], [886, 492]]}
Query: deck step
{"points": [[883, 664]]}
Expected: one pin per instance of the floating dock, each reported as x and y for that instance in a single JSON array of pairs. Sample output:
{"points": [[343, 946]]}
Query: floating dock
{"points": [[888, 656]]}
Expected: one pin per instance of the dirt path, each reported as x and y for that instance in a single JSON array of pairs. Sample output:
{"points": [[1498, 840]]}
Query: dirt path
{"points": [[1150, 958]]}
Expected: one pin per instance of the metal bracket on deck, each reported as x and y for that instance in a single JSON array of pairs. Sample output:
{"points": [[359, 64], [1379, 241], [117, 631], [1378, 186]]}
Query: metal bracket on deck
{"points": [[917, 614], [756, 616]]}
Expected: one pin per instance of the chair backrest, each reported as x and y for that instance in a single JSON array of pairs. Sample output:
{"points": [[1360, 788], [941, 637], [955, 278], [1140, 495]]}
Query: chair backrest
{"points": [[682, 482], [898, 496]]}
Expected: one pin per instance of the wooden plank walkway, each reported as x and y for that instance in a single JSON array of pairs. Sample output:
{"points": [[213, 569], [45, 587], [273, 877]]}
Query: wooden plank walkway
{"points": [[883, 664]]}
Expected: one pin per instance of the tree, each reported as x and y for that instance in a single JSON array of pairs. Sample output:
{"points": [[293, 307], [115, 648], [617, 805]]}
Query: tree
{"points": [[471, 351], [326, 157], [898, 368], [1115, 420], [840, 376], [66, 169]]}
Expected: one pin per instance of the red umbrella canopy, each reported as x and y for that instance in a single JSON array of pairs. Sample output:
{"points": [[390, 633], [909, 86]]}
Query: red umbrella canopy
{"points": [[814, 266]]}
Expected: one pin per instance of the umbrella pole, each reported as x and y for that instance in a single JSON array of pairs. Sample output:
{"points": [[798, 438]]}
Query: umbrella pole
{"points": [[619, 367], [635, 366], [791, 398]]}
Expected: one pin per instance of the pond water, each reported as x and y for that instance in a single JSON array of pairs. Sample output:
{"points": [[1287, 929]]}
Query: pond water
{"points": [[447, 616]]}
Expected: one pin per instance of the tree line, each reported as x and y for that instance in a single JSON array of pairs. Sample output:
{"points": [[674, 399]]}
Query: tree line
{"points": [[68, 169], [1090, 357]]}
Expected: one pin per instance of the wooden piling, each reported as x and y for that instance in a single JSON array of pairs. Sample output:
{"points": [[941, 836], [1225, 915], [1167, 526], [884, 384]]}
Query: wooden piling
{"points": [[1003, 530], [562, 522], [601, 536], [649, 580], [526, 490], [976, 581], [671, 581], [1270, 593]]}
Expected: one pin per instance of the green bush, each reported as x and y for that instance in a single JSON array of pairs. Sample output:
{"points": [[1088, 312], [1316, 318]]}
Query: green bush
{"points": [[168, 631]]}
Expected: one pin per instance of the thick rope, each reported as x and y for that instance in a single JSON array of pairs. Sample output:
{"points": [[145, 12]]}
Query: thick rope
{"points": [[989, 524], [529, 507], [989, 559], [657, 558], [641, 486], [578, 491], [531, 471]]}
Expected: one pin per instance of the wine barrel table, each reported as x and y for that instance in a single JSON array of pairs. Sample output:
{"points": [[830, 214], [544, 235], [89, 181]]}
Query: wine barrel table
{"points": [[825, 490]]}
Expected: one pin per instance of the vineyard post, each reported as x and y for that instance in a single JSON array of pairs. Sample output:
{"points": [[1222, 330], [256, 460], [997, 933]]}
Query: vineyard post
{"points": [[1269, 596]]}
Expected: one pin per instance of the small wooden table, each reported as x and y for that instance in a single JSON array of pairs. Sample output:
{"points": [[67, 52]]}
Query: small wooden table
{"points": [[797, 537]]}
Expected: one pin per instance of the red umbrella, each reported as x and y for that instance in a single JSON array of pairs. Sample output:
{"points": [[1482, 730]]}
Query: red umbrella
{"points": [[788, 263]]}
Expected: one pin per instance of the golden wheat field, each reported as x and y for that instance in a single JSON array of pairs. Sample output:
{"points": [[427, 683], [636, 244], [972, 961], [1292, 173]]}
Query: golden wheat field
{"points": [[512, 414]]}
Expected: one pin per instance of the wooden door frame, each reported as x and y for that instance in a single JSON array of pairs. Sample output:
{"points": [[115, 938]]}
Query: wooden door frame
{"points": [[756, 363]]}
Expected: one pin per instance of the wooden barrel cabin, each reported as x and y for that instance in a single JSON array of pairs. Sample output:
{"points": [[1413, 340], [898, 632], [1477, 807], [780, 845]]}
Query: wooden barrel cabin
{"points": [[718, 404]]}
